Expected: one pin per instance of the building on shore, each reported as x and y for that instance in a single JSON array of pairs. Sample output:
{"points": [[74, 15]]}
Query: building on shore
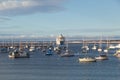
{"points": [[60, 40]]}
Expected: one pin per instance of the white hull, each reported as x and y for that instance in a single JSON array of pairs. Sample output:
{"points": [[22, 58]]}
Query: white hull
{"points": [[94, 47], [66, 55], [117, 54], [99, 50], [101, 58], [87, 59], [106, 51]]}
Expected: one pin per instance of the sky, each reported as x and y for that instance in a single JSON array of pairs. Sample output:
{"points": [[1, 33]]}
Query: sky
{"points": [[30, 18]]}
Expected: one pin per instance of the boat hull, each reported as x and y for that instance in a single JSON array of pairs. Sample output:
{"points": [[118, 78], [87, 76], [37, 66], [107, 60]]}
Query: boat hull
{"points": [[66, 55], [87, 60], [101, 58]]}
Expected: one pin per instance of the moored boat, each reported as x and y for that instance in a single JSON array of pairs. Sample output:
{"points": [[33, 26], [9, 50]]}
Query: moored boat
{"points": [[87, 59], [18, 54], [67, 54], [117, 54], [101, 57], [49, 52]]}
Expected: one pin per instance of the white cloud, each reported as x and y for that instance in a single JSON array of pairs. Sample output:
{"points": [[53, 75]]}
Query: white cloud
{"points": [[17, 7]]}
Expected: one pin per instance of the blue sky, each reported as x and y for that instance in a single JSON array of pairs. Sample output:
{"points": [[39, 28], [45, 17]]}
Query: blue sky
{"points": [[54, 17]]}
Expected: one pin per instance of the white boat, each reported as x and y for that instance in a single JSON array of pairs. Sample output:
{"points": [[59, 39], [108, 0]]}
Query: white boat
{"points": [[99, 50], [32, 48], [94, 47], [112, 47], [100, 45], [67, 54], [117, 46], [18, 54], [106, 50], [87, 59], [117, 54], [101, 57]]}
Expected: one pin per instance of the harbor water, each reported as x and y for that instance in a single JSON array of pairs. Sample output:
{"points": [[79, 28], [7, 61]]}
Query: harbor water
{"points": [[54, 67]]}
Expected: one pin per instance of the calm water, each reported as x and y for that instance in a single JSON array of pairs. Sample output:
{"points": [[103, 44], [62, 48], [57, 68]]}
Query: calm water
{"points": [[41, 67]]}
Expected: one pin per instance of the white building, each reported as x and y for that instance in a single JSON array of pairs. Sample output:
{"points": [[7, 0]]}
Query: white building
{"points": [[60, 40]]}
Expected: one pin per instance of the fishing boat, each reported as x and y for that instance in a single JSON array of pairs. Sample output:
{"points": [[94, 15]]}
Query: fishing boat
{"points": [[18, 54]]}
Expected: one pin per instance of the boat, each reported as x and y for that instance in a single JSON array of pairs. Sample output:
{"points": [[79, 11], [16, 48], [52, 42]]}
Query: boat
{"points": [[87, 59], [111, 47], [102, 57], [67, 54], [117, 53], [100, 45], [18, 54], [117, 46], [99, 50], [85, 48], [106, 50], [107, 46], [49, 52], [32, 49], [94, 47]]}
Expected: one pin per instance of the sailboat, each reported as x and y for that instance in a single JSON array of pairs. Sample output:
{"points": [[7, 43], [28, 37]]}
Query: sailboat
{"points": [[94, 47], [102, 56], [100, 45], [107, 44], [67, 52], [86, 58], [32, 48], [85, 47]]}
